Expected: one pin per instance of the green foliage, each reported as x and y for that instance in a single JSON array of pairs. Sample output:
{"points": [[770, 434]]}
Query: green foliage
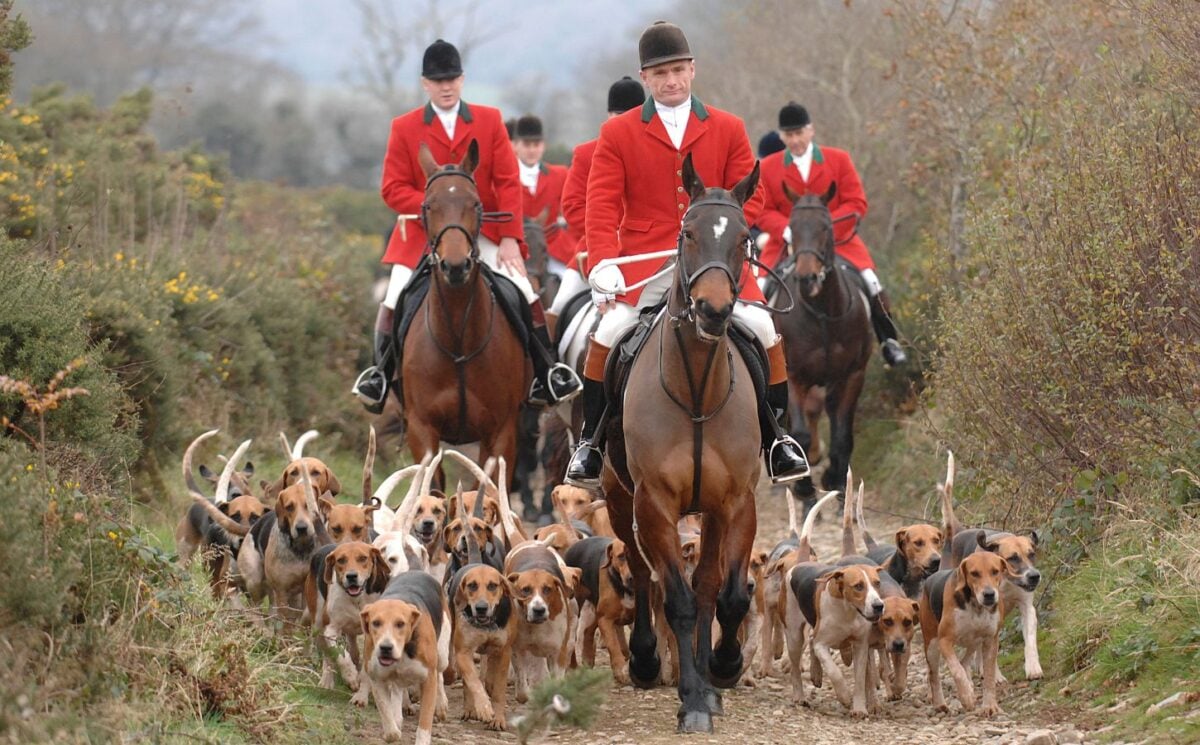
{"points": [[40, 332], [14, 36], [573, 700]]}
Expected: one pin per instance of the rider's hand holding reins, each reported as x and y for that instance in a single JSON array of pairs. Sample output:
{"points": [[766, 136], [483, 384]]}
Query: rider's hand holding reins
{"points": [[607, 282], [509, 256]]}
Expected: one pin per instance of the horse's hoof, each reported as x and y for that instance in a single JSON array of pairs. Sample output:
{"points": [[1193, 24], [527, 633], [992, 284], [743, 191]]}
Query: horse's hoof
{"points": [[712, 699], [724, 674], [695, 721], [644, 673]]}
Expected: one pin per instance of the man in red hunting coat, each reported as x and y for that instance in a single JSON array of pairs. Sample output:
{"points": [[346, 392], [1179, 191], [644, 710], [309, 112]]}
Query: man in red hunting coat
{"points": [[635, 205], [447, 125], [810, 169], [623, 95], [542, 188]]}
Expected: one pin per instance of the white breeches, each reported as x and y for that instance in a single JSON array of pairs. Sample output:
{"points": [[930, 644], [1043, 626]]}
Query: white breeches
{"points": [[488, 254], [872, 280], [618, 320], [572, 283]]}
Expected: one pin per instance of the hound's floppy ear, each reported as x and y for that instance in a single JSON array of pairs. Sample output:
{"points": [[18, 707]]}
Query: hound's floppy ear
{"points": [[691, 180], [379, 572], [608, 552], [426, 161], [366, 620], [248, 469], [224, 507], [1034, 537], [791, 195], [762, 557], [414, 615], [745, 188], [833, 581], [471, 161], [916, 607], [572, 575], [326, 506], [986, 543], [371, 506], [901, 536], [332, 484], [513, 578], [207, 473], [829, 194], [328, 573], [446, 533], [689, 549]]}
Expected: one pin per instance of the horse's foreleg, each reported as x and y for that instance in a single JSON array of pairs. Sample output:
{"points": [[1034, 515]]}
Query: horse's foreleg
{"points": [[840, 404], [645, 664], [814, 404], [737, 541]]}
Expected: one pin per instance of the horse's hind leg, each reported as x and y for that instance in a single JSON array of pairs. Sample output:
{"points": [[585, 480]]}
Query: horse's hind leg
{"points": [[840, 404], [733, 603]]}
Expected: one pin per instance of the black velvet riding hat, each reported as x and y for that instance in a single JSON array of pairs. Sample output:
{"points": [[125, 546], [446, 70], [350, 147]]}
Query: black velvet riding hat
{"points": [[528, 127], [441, 61], [793, 116], [661, 43], [625, 94], [771, 142]]}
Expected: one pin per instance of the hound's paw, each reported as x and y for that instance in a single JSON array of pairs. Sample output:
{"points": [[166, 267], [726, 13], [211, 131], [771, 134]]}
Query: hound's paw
{"points": [[621, 675], [859, 712], [497, 723], [1033, 670], [1000, 679], [327, 679], [361, 697], [942, 709], [391, 737], [439, 713], [990, 710], [893, 696], [408, 709], [749, 681]]}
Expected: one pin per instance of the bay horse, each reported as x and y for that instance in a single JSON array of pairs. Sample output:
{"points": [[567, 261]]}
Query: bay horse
{"points": [[464, 368], [687, 441], [827, 338]]}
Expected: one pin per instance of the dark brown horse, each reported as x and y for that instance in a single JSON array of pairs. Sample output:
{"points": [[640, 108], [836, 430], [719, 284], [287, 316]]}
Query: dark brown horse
{"points": [[827, 337], [688, 442], [464, 369]]}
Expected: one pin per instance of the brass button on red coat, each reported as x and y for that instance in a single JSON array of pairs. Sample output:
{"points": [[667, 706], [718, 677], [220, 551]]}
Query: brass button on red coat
{"points": [[679, 173], [681, 205], [678, 188]]}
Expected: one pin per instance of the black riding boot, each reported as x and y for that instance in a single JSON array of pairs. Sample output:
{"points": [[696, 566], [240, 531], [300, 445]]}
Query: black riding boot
{"points": [[885, 331], [553, 382], [586, 462], [785, 458], [371, 387]]}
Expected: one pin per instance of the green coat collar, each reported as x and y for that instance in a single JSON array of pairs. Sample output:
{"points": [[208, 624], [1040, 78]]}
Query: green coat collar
{"points": [[463, 110], [817, 156], [698, 109]]}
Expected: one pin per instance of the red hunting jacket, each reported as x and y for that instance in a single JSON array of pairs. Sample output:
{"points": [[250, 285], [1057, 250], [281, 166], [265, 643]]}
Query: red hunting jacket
{"points": [[549, 192], [829, 165], [403, 184], [635, 195], [574, 196]]}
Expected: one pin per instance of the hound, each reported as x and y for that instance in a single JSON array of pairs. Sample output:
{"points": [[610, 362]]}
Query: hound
{"points": [[963, 607], [217, 528], [782, 557], [542, 586], [484, 623], [342, 580], [1021, 574], [322, 478], [606, 600], [575, 503], [407, 644]]}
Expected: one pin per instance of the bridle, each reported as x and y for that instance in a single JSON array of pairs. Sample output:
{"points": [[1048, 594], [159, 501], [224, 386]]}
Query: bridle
{"points": [[434, 240], [826, 253]]}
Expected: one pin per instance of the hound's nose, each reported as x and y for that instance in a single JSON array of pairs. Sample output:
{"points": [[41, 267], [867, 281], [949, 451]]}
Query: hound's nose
{"points": [[989, 596], [750, 587], [877, 607], [428, 524], [935, 563], [537, 613], [898, 646], [301, 528], [386, 648], [1033, 576], [352, 578], [481, 609]]}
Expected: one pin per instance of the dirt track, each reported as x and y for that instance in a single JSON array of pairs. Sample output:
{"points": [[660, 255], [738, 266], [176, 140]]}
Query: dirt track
{"points": [[765, 714]]}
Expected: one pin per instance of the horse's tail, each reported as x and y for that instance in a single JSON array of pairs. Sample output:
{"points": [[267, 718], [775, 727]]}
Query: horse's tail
{"points": [[868, 540], [368, 467], [950, 524], [806, 552], [188, 477]]}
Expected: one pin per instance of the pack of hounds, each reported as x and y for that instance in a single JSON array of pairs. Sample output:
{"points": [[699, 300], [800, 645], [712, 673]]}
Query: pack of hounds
{"points": [[401, 602]]}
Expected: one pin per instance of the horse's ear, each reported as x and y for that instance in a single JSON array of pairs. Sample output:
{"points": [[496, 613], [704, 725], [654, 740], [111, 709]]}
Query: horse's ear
{"points": [[792, 196], [691, 180], [745, 188], [471, 162], [830, 193], [425, 159]]}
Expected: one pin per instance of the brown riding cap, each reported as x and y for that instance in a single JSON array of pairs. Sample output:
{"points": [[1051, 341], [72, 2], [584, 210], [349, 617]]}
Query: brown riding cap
{"points": [[661, 43]]}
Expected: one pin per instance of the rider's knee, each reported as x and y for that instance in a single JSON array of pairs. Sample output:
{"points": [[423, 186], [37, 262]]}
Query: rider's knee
{"points": [[615, 322], [759, 322]]}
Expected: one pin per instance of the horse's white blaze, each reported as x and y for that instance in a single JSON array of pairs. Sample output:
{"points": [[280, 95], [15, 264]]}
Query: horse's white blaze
{"points": [[719, 228], [453, 189]]}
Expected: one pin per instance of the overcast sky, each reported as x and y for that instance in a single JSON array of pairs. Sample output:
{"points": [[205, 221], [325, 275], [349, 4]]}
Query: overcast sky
{"points": [[320, 38]]}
